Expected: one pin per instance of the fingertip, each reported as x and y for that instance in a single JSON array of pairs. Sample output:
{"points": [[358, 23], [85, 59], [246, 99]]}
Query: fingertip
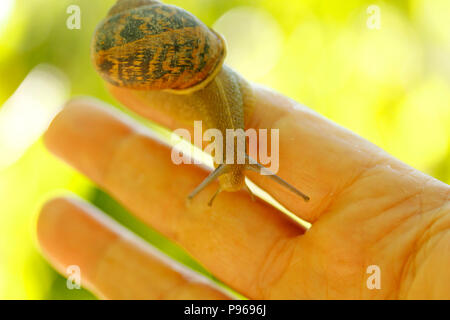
{"points": [[70, 233], [111, 261], [70, 108], [85, 134], [48, 218]]}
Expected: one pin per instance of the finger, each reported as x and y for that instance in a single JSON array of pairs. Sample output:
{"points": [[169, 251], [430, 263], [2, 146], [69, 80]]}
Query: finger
{"points": [[246, 244], [113, 263], [317, 156]]}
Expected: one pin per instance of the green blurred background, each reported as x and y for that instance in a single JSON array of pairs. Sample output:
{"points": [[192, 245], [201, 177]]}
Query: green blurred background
{"points": [[387, 79]]}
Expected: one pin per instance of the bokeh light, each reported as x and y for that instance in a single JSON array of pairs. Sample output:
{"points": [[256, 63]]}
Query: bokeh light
{"points": [[254, 40], [6, 8], [29, 111]]}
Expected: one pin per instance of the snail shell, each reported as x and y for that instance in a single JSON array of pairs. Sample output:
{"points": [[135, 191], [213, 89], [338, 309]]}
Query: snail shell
{"points": [[147, 45]]}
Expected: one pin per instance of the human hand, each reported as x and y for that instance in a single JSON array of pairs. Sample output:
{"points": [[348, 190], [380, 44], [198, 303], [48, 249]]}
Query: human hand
{"points": [[366, 208]]}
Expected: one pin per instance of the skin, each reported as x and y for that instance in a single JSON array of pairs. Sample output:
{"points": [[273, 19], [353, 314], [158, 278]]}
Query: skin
{"points": [[366, 208]]}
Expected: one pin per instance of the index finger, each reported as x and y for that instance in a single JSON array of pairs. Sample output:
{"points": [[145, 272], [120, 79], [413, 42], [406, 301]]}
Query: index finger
{"points": [[316, 155]]}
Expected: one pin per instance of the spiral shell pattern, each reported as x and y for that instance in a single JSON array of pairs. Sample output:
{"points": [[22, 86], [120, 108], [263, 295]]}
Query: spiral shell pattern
{"points": [[156, 46]]}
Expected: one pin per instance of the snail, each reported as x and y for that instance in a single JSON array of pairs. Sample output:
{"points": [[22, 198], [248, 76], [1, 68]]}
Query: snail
{"points": [[156, 48]]}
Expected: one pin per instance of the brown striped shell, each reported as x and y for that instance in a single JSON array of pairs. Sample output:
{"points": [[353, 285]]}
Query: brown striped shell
{"points": [[147, 45]]}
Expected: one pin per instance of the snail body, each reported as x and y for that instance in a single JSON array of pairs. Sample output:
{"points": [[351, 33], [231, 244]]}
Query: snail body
{"points": [[158, 49]]}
